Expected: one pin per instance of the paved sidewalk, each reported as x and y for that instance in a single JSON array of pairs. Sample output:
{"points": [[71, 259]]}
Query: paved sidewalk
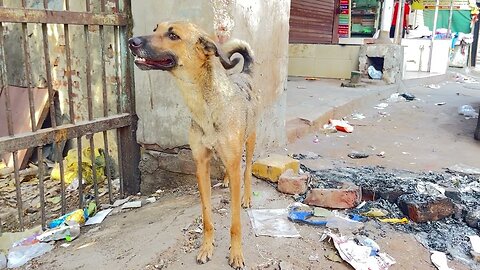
{"points": [[310, 103]]}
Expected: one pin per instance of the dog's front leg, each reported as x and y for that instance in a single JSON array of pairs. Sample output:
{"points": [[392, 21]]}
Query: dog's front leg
{"points": [[231, 153], [202, 156]]}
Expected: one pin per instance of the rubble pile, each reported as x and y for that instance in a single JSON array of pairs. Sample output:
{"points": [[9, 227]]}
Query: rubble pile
{"points": [[445, 206]]}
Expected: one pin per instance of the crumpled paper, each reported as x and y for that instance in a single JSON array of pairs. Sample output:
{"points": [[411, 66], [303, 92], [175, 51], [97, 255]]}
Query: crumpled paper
{"points": [[360, 257]]}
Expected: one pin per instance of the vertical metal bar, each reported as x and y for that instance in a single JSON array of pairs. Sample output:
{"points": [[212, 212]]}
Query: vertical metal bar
{"points": [[18, 190], [51, 93], [59, 158], [105, 104], [88, 74], [41, 187], [108, 166], [80, 172], [4, 83], [28, 76], [117, 68], [120, 163], [104, 76], [28, 73], [69, 67], [94, 169]]}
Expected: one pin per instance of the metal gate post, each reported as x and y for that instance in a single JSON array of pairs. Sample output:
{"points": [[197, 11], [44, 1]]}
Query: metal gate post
{"points": [[130, 158]]}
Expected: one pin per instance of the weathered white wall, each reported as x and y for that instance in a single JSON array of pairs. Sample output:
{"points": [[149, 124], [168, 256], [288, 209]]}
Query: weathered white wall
{"points": [[163, 117]]}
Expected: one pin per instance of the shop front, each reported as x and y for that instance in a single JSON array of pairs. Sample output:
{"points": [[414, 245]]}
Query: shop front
{"points": [[326, 36]]}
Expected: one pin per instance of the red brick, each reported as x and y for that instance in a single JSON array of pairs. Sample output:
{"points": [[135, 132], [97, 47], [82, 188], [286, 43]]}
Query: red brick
{"points": [[291, 183], [348, 196], [423, 208]]}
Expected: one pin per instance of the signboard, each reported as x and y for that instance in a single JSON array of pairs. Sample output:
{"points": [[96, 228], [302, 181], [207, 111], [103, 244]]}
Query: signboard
{"points": [[344, 19], [444, 4]]}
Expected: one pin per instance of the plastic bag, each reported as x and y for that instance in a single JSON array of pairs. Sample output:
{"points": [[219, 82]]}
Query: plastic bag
{"points": [[374, 74], [467, 111], [3, 261], [20, 255]]}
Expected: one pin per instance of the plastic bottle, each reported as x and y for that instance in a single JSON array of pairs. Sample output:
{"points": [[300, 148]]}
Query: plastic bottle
{"points": [[365, 241]]}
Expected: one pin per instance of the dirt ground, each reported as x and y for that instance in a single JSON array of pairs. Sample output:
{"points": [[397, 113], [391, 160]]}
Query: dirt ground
{"points": [[416, 135]]}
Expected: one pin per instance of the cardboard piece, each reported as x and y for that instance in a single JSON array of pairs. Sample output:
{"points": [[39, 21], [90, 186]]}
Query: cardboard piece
{"points": [[21, 117]]}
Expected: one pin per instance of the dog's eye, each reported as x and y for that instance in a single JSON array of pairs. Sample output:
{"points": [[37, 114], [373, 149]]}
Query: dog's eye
{"points": [[173, 36], [155, 29]]}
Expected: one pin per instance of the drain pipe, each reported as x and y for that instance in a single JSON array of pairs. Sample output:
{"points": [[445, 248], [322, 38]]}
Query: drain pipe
{"points": [[435, 17]]}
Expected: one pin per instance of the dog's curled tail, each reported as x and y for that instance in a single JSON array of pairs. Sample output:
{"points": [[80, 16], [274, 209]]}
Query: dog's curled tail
{"points": [[238, 46]]}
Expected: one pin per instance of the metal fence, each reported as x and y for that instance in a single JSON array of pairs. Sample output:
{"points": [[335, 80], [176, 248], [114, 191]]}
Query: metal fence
{"points": [[94, 99]]}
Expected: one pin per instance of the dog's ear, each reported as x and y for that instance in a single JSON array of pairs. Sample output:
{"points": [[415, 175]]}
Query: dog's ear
{"points": [[209, 47]]}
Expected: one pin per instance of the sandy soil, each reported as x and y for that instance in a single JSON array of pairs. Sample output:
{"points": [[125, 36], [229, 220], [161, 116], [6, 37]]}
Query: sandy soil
{"points": [[417, 135]]}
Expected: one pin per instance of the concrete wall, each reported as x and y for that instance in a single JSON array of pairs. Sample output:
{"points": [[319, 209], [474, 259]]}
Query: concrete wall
{"points": [[319, 60], [163, 118]]}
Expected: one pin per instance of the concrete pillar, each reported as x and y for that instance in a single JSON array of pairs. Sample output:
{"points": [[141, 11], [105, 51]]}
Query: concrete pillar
{"points": [[386, 22], [387, 14]]}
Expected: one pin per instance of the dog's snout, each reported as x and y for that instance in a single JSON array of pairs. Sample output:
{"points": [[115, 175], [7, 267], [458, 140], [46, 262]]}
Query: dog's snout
{"points": [[135, 42]]}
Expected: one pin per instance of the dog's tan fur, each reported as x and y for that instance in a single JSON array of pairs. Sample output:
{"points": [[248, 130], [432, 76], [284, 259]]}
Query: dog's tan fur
{"points": [[224, 112]]}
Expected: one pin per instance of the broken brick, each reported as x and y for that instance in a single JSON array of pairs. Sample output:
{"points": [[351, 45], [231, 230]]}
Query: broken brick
{"points": [[272, 167], [391, 195], [291, 183], [423, 208], [348, 196]]}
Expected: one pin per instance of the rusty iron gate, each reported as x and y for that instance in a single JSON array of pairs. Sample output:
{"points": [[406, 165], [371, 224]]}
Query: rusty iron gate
{"points": [[87, 113]]}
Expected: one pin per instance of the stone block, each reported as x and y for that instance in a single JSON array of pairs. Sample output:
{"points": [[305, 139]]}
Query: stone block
{"points": [[423, 208], [348, 196], [272, 167], [454, 194], [473, 218], [291, 183], [172, 169]]}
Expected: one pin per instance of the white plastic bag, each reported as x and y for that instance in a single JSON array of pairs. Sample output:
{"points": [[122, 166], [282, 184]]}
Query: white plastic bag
{"points": [[20, 255]]}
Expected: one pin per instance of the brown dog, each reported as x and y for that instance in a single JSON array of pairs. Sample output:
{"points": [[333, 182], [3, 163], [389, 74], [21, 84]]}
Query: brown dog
{"points": [[223, 108]]}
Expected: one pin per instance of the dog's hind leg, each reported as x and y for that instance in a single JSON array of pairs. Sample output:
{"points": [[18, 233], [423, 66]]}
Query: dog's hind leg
{"points": [[202, 156], [247, 189]]}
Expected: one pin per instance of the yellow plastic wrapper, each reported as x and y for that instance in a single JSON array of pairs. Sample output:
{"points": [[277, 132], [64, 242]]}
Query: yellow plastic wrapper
{"points": [[395, 220], [70, 164], [375, 212], [77, 216]]}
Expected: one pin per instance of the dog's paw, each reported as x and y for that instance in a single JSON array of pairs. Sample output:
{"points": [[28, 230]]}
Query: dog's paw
{"points": [[236, 259], [246, 201], [205, 253], [226, 180]]}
